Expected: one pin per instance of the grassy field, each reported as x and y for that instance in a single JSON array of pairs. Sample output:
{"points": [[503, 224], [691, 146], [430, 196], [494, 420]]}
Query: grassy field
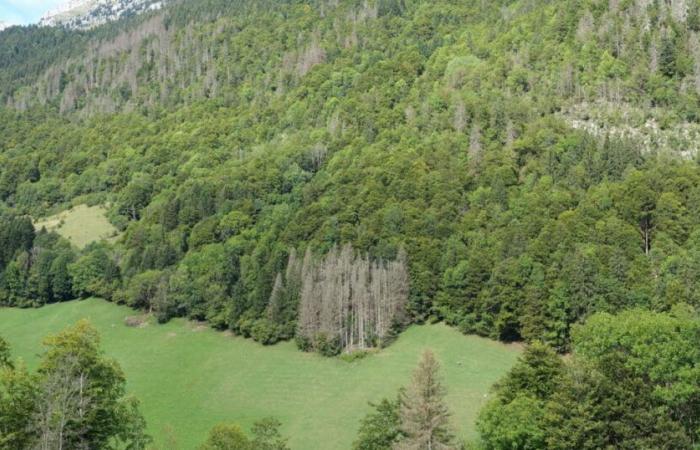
{"points": [[189, 377], [80, 225]]}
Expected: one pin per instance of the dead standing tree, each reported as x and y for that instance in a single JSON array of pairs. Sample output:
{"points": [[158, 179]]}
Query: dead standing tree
{"points": [[349, 301]]}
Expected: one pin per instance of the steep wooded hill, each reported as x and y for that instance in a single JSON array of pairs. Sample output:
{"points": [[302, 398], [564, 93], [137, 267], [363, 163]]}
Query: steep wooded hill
{"points": [[535, 159]]}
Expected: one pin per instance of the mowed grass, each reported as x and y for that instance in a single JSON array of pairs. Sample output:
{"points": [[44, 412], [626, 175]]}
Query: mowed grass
{"points": [[189, 377], [81, 225]]}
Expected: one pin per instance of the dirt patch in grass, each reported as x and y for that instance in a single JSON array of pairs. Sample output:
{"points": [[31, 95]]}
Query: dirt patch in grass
{"points": [[136, 321]]}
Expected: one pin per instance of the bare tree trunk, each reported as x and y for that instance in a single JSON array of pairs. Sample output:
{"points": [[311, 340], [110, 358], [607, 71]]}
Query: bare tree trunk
{"points": [[350, 298]]}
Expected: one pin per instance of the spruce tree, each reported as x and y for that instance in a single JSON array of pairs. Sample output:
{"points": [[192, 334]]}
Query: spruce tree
{"points": [[5, 360], [424, 414]]}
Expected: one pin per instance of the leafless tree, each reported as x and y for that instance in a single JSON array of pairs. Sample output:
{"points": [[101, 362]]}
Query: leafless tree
{"points": [[653, 57], [475, 148], [318, 154], [460, 117], [585, 26], [275, 305], [694, 49], [62, 406], [347, 298]]}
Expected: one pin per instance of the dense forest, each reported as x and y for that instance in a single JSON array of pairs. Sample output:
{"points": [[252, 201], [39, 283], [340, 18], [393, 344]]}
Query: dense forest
{"points": [[534, 160], [332, 171]]}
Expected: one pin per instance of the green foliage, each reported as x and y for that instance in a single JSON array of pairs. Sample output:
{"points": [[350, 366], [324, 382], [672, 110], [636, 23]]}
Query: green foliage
{"points": [[596, 409], [355, 355], [469, 134], [18, 397], [16, 234], [75, 399], [380, 430], [144, 289], [517, 424], [266, 436], [657, 351], [266, 332], [326, 346], [39, 274], [631, 383], [94, 273], [514, 419], [536, 374], [5, 360], [226, 437]]}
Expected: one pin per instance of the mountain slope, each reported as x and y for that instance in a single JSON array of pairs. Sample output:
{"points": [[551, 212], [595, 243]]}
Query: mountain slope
{"points": [[477, 136]]}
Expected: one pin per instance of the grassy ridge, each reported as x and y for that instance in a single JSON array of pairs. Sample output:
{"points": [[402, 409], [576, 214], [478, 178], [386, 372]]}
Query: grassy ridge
{"points": [[189, 377]]}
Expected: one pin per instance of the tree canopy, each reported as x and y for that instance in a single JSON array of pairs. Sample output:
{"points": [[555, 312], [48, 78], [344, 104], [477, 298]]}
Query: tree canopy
{"points": [[631, 382], [534, 161]]}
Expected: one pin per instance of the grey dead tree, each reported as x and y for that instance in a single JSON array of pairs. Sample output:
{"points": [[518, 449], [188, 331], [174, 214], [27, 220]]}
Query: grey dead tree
{"points": [[314, 54], [679, 10], [459, 121], [318, 154], [585, 27], [511, 133], [654, 56], [62, 408], [276, 302], [424, 415], [694, 50], [350, 299], [308, 321], [475, 148]]}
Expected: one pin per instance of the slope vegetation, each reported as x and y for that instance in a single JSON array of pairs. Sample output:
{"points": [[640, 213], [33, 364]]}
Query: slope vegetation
{"points": [[477, 136]]}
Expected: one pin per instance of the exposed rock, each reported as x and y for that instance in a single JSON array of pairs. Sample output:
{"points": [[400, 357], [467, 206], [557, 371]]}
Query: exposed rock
{"points": [[84, 14]]}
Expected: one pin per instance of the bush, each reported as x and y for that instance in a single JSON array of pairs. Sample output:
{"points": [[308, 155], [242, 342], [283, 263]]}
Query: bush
{"points": [[265, 332], [303, 343], [326, 346], [226, 437], [355, 355]]}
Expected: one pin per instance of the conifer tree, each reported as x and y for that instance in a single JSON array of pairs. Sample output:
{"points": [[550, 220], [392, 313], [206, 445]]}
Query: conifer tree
{"points": [[5, 360], [424, 414]]}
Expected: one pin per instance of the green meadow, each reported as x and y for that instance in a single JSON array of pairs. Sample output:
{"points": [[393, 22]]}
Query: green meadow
{"points": [[189, 377]]}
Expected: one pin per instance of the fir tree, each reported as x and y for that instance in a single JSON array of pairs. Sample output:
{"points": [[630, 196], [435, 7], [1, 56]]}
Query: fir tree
{"points": [[424, 414]]}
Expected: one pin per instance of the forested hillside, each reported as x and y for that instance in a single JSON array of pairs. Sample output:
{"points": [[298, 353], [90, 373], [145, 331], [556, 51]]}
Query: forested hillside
{"points": [[526, 163]]}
